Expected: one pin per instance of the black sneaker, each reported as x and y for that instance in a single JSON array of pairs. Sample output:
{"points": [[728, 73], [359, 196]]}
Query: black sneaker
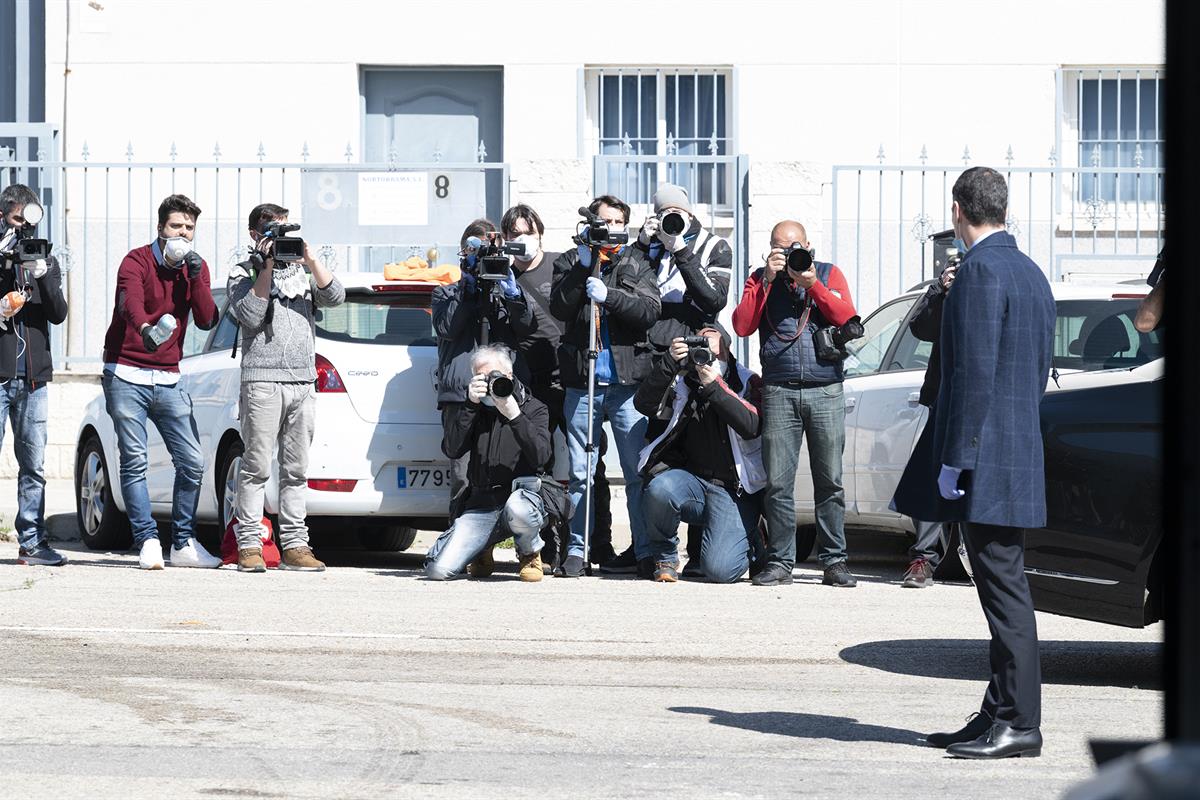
{"points": [[772, 575], [624, 564], [572, 567], [41, 556], [839, 575], [646, 568], [665, 572]]}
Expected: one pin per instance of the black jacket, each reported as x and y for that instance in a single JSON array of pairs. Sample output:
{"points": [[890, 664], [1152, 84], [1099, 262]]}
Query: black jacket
{"points": [[704, 421], [631, 307], [500, 449], [705, 266], [46, 307], [458, 312], [925, 323]]}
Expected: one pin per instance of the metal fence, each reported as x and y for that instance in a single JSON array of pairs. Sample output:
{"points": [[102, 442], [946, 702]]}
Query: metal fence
{"points": [[1077, 223], [99, 211]]}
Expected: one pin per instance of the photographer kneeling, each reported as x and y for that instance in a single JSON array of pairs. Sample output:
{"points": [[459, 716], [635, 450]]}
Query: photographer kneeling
{"points": [[507, 433], [705, 467]]}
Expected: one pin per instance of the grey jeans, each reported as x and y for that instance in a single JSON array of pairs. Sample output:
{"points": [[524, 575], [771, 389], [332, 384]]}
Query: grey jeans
{"points": [[275, 414]]}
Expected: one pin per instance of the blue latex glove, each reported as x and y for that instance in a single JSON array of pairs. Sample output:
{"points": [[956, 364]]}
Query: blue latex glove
{"points": [[585, 256], [596, 290], [468, 282], [509, 286], [948, 483]]}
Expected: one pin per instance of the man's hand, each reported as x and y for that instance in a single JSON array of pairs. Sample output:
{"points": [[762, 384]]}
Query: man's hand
{"points": [[806, 279], [947, 277], [478, 388], [194, 263], [148, 342], [596, 290], [37, 269], [649, 230], [776, 263], [507, 406], [678, 350], [509, 286], [948, 483], [585, 256], [708, 373]]}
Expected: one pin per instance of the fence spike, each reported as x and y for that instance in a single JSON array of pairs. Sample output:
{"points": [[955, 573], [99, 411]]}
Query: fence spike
{"points": [[1009, 156], [626, 144], [712, 144], [262, 151], [391, 153], [1096, 155], [924, 155], [173, 152], [966, 156], [437, 154], [481, 152], [1138, 158], [304, 151], [129, 151], [1053, 156], [672, 145], [349, 153], [85, 152], [216, 151], [879, 155]]}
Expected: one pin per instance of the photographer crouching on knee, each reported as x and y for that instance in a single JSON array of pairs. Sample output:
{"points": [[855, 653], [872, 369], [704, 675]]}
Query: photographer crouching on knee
{"points": [[705, 467], [506, 431]]}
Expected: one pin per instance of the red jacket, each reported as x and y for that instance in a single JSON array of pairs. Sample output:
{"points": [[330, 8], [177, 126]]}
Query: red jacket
{"points": [[837, 309], [146, 291]]}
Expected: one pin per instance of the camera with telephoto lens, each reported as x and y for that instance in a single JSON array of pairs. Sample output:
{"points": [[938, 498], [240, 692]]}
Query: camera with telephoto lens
{"points": [[700, 352], [799, 258], [672, 223], [596, 232], [284, 248], [830, 342], [499, 384]]}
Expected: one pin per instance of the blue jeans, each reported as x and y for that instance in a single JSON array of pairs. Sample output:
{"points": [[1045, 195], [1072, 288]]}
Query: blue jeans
{"points": [[170, 409], [26, 409], [788, 415], [729, 522], [614, 403], [477, 529]]}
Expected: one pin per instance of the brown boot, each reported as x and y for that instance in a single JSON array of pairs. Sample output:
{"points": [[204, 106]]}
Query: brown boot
{"points": [[483, 565], [531, 568], [301, 559], [251, 560]]}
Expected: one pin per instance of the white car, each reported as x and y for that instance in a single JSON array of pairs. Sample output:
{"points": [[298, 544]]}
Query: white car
{"points": [[376, 454], [884, 373]]}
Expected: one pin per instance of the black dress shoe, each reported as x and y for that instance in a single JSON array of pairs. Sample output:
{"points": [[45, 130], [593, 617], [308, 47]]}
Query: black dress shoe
{"points": [[773, 575], [1001, 741], [977, 725]]}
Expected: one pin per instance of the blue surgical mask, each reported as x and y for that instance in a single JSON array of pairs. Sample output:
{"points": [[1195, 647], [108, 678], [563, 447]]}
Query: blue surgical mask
{"points": [[960, 244]]}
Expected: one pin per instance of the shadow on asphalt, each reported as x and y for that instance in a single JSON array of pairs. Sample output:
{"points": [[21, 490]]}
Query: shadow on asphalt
{"points": [[806, 726], [1127, 665]]}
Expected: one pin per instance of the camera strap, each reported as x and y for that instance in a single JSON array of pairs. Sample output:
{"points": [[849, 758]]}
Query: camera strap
{"points": [[803, 323]]}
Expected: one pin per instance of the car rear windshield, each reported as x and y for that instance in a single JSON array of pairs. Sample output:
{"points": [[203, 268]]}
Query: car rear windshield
{"points": [[1099, 334], [379, 319]]}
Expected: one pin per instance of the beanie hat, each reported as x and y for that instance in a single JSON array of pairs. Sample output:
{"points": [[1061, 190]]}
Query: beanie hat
{"points": [[671, 196]]}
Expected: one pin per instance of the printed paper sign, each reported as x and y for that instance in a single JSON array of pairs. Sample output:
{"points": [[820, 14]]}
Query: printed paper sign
{"points": [[393, 198]]}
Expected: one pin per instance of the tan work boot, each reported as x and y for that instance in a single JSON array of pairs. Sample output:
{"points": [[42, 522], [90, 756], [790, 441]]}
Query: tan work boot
{"points": [[531, 568], [483, 565], [251, 560], [301, 559]]}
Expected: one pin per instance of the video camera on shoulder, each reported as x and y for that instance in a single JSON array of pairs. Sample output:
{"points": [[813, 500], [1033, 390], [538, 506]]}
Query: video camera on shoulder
{"points": [[493, 256], [830, 342], [594, 231], [284, 247], [700, 352], [26, 247]]}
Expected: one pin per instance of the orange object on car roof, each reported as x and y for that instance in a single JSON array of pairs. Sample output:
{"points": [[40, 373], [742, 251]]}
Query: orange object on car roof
{"points": [[417, 269]]}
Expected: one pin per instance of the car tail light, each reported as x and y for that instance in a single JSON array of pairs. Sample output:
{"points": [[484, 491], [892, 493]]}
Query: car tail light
{"points": [[328, 379], [332, 484]]}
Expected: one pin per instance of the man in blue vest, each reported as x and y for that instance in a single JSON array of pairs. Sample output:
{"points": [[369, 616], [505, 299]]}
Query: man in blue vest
{"points": [[787, 302]]}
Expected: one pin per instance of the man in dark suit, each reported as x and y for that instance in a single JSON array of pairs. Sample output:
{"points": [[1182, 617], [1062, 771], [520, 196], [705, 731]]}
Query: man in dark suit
{"points": [[996, 345]]}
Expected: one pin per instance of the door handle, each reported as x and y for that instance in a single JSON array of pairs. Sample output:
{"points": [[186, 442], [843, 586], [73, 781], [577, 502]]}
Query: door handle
{"points": [[851, 402], [914, 397]]}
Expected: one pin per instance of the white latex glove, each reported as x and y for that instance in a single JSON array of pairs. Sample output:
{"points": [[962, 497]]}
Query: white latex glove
{"points": [[507, 406], [948, 483], [596, 290], [478, 388], [672, 243], [37, 269], [649, 230]]}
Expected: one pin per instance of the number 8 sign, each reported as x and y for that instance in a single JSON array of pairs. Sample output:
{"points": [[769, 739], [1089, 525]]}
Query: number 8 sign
{"points": [[441, 186]]}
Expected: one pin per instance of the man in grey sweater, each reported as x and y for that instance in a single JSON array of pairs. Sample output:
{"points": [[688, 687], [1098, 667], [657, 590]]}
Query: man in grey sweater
{"points": [[274, 302]]}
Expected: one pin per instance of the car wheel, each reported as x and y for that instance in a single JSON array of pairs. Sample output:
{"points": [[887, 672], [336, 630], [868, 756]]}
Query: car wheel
{"points": [[955, 566], [387, 538], [806, 538], [101, 525], [227, 482]]}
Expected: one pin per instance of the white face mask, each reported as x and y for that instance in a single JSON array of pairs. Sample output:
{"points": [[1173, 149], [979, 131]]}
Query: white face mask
{"points": [[175, 248], [531, 246]]}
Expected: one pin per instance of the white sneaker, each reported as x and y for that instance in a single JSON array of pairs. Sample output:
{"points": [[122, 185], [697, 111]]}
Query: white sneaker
{"points": [[193, 554], [150, 556]]}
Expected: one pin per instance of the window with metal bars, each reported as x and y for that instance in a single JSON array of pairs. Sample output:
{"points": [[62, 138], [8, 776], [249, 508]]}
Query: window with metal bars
{"points": [[647, 112], [1119, 121]]}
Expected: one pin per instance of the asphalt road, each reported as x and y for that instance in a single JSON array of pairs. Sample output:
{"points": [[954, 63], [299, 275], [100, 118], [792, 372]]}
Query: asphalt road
{"points": [[366, 681]]}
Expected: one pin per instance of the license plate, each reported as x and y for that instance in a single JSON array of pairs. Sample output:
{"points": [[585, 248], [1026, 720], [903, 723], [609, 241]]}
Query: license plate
{"points": [[422, 476]]}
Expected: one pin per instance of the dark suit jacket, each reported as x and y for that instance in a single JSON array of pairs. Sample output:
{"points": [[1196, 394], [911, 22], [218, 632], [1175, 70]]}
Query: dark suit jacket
{"points": [[996, 345], [926, 325]]}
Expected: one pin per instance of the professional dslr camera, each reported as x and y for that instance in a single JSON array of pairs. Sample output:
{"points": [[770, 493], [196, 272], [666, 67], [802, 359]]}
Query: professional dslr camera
{"points": [[284, 248], [799, 258], [673, 223], [493, 256], [499, 384], [595, 232], [700, 353], [830, 342], [23, 246]]}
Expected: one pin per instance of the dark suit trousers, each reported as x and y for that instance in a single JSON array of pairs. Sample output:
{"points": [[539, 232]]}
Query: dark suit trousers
{"points": [[997, 556]]}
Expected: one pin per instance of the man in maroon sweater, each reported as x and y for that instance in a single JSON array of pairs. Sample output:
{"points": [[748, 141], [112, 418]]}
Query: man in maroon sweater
{"points": [[141, 378]]}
